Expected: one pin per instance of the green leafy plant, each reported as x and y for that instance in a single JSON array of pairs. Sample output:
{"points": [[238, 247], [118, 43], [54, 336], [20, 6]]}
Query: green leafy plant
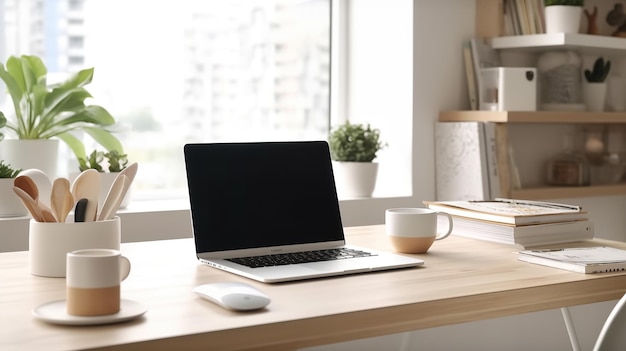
{"points": [[116, 161], [600, 71], [6, 171], [564, 2], [43, 112], [354, 143]]}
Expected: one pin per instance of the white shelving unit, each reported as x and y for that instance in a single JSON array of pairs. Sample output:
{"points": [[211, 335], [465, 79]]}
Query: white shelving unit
{"points": [[489, 24], [596, 44]]}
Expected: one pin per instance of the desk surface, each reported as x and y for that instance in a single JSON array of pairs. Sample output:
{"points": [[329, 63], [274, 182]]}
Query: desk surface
{"points": [[462, 280]]}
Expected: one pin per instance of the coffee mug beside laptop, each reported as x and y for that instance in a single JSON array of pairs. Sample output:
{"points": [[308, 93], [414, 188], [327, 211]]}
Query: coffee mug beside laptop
{"points": [[414, 230]]}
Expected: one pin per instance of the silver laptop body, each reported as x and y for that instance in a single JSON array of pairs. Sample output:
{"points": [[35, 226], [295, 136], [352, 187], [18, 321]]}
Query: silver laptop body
{"points": [[271, 198]]}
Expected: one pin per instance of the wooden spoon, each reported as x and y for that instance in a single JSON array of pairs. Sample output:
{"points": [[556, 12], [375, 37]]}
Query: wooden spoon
{"points": [[87, 186], [61, 199], [114, 198], [27, 184], [44, 185], [130, 173], [29, 203]]}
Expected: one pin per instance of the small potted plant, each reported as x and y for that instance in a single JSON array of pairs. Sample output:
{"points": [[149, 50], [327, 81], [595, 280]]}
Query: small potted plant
{"points": [[353, 148], [10, 204], [43, 113], [109, 164], [595, 87], [563, 16]]}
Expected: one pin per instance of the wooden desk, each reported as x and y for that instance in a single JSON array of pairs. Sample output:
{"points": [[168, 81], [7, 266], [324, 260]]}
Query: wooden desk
{"points": [[463, 280]]}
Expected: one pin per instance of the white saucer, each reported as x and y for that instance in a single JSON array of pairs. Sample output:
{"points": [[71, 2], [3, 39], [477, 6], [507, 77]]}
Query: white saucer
{"points": [[55, 312]]}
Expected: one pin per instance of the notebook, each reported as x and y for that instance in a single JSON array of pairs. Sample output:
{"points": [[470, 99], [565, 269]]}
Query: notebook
{"points": [[262, 201]]}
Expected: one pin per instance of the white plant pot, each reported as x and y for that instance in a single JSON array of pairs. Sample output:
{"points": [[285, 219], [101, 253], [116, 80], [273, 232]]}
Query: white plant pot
{"points": [[594, 96], [563, 19], [42, 154], [10, 204], [355, 179]]}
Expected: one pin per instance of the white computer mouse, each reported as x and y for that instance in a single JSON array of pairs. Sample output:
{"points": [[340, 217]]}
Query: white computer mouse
{"points": [[236, 296]]}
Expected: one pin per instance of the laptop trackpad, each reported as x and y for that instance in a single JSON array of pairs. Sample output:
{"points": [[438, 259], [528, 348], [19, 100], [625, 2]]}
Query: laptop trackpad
{"points": [[338, 266]]}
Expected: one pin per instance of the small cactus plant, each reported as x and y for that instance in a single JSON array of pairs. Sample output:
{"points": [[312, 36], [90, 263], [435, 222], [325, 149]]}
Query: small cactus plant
{"points": [[600, 71], [6, 171]]}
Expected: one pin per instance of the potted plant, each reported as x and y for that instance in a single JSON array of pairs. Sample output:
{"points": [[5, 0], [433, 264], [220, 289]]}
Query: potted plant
{"points": [[44, 113], [595, 87], [563, 16], [10, 204], [109, 164], [353, 148]]}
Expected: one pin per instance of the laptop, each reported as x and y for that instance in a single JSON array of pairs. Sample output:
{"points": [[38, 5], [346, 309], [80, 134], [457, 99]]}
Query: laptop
{"points": [[269, 211]]}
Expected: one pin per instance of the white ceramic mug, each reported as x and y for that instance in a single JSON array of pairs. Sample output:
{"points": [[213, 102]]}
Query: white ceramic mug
{"points": [[49, 243], [413, 230], [93, 281]]}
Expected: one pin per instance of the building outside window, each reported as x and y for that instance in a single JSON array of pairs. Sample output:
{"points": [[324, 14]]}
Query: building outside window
{"points": [[175, 72]]}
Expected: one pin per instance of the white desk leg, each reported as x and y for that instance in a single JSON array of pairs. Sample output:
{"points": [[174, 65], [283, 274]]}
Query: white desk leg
{"points": [[571, 331]]}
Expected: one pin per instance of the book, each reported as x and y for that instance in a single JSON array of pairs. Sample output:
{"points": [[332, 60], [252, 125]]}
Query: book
{"points": [[526, 236], [461, 163], [599, 259], [470, 75], [511, 211], [483, 56]]}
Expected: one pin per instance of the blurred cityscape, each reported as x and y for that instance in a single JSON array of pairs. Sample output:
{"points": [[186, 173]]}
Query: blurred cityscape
{"points": [[175, 72]]}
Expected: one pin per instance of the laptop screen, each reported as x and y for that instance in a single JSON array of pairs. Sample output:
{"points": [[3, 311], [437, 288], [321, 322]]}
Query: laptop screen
{"points": [[252, 195]]}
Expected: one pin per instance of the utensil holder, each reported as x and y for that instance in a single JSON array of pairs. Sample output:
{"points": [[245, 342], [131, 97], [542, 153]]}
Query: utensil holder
{"points": [[49, 243]]}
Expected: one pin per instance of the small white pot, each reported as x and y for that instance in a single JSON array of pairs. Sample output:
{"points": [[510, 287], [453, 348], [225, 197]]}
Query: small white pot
{"points": [[355, 179], [42, 154], [594, 96], [10, 203], [563, 19]]}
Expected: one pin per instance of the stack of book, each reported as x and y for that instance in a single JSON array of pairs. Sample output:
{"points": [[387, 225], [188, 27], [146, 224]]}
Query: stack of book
{"points": [[518, 222]]}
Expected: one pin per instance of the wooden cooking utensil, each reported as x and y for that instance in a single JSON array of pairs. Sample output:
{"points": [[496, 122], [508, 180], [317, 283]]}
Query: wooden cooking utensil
{"points": [[61, 199], [114, 198], [30, 204], [87, 186]]}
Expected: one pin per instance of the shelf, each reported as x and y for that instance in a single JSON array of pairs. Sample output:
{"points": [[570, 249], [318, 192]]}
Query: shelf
{"points": [[596, 44], [534, 117], [546, 193]]}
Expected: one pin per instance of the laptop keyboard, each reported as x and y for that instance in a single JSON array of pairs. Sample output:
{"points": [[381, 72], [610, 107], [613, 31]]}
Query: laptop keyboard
{"points": [[300, 257]]}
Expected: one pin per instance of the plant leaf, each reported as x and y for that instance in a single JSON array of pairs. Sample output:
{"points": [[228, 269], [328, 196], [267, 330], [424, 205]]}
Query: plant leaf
{"points": [[74, 144], [105, 138]]}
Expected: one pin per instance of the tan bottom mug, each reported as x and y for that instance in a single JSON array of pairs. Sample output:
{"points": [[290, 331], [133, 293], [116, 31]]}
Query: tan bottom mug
{"points": [[414, 230], [93, 281]]}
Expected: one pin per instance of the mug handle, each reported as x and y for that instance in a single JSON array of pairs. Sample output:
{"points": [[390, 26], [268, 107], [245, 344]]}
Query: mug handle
{"points": [[124, 267], [445, 235]]}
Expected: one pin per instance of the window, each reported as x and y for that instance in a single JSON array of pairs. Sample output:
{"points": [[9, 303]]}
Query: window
{"points": [[211, 71]]}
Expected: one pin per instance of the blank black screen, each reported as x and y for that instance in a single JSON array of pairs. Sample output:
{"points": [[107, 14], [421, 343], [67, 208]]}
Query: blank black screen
{"points": [[250, 195]]}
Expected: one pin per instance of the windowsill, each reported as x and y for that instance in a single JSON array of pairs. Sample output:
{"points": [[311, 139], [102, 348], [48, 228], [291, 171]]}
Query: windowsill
{"points": [[170, 219]]}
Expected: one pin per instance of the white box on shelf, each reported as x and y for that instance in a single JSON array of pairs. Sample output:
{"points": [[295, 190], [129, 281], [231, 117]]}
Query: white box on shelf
{"points": [[509, 89]]}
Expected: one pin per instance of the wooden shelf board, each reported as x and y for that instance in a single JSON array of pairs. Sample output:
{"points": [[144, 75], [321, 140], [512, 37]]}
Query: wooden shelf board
{"points": [[568, 192], [597, 44], [533, 117]]}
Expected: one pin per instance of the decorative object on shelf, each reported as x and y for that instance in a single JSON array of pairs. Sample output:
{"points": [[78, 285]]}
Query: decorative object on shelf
{"points": [[109, 165], [509, 89], [353, 147], [43, 112], [617, 18], [563, 16], [595, 88], [10, 204], [560, 81], [592, 21], [569, 167]]}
